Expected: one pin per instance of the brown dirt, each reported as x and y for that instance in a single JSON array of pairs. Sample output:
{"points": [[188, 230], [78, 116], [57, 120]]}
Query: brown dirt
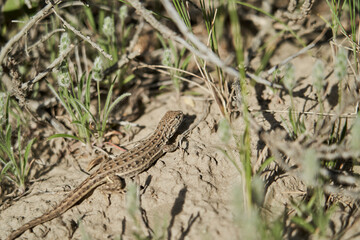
{"points": [[184, 190]]}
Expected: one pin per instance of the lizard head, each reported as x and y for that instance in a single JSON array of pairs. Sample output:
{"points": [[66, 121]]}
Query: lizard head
{"points": [[170, 123]]}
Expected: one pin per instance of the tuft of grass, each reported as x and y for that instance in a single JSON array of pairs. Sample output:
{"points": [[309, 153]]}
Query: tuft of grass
{"points": [[76, 100], [78, 107], [313, 216], [250, 222], [14, 161]]}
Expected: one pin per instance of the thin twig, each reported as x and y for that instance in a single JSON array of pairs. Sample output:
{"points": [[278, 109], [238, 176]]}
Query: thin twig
{"points": [[285, 61], [346, 115], [86, 39], [41, 75], [260, 80], [45, 37], [158, 68], [335, 190], [144, 65], [119, 64], [204, 53], [208, 54], [135, 38]]}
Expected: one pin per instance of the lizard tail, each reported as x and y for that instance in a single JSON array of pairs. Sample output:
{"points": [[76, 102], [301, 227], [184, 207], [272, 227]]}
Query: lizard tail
{"points": [[44, 218], [75, 196]]}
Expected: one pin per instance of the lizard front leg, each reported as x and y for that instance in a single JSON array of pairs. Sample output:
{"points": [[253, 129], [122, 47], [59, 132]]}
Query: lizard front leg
{"points": [[114, 183], [170, 147]]}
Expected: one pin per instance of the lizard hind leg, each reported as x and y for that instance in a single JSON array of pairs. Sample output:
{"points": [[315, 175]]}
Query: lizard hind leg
{"points": [[114, 184], [96, 161]]}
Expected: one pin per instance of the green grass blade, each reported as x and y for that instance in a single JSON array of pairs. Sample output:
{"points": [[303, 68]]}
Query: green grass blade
{"points": [[77, 122], [115, 103], [90, 18], [180, 8], [186, 61], [21, 163], [80, 87], [8, 136], [52, 89], [26, 155], [75, 106], [87, 92], [63, 135], [5, 168], [7, 105], [265, 164], [108, 99], [303, 224], [128, 78], [2, 161], [343, 132], [8, 148], [5, 150], [111, 107], [85, 109]]}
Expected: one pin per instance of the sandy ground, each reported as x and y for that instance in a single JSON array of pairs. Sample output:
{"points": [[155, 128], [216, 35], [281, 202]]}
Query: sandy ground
{"points": [[184, 193]]}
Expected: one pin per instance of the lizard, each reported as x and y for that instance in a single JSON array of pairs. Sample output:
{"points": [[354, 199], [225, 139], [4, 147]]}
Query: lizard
{"points": [[127, 164]]}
